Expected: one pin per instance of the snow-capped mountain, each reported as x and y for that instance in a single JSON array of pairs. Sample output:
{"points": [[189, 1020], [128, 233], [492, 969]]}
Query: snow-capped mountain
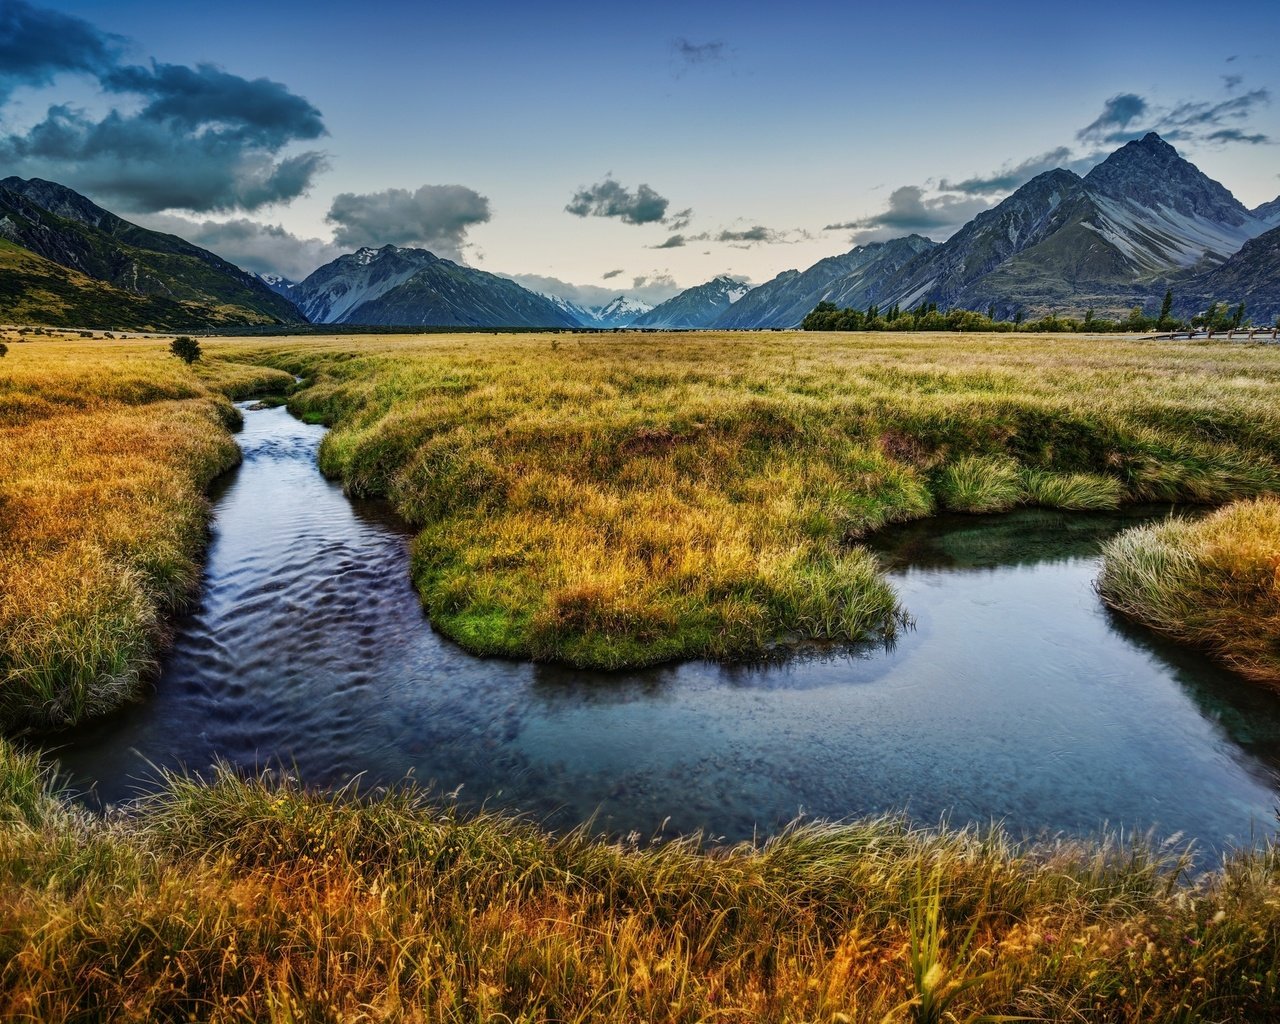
{"points": [[412, 287], [278, 284], [330, 294], [620, 312], [695, 307], [1108, 241]]}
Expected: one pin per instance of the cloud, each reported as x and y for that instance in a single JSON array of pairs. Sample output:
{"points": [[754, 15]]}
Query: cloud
{"points": [[674, 242], [911, 212], [609, 274], [1009, 177], [37, 44], [609, 198], [203, 139], [1117, 114], [680, 220], [261, 248], [1236, 135], [652, 288], [693, 54], [1128, 117], [758, 234], [435, 217]]}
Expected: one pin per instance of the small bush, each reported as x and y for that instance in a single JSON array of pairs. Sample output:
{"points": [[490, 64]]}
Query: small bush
{"points": [[186, 349]]}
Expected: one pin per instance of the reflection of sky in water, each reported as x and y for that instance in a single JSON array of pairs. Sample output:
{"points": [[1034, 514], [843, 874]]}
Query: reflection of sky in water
{"points": [[1016, 696]]}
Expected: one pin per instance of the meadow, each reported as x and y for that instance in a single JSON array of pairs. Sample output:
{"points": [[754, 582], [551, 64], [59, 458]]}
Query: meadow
{"points": [[608, 501], [615, 501]]}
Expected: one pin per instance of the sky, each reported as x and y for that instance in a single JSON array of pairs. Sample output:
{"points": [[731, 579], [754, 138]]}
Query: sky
{"points": [[591, 150]]}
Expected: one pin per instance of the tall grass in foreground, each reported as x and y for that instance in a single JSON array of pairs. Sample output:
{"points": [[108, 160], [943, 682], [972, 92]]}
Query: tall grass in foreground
{"points": [[253, 900], [619, 501], [106, 450], [1212, 582]]}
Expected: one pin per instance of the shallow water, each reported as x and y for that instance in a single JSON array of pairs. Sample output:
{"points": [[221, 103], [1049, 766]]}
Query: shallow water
{"points": [[1016, 697]]}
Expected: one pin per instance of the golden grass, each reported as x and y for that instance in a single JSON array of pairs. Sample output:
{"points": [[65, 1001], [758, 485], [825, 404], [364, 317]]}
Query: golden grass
{"points": [[1212, 582], [106, 450], [615, 501], [256, 901]]}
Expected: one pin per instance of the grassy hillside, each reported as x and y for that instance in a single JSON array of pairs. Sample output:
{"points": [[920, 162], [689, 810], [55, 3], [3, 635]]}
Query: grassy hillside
{"points": [[34, 290]]}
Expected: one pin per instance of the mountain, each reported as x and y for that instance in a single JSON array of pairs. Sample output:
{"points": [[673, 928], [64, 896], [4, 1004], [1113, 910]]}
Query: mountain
{"points": [[699, 306], [856, 278], [412, 287], [1107, 241], [620, 312], [279, 285], [193, 286], [1268, 213], [1251, 276]]}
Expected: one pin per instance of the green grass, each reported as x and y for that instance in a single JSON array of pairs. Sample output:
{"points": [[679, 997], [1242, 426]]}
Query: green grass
{"points": [[1212, 582]]}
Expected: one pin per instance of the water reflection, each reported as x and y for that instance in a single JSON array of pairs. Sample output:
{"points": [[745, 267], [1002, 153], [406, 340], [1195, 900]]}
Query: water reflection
{"points": [[1016, 697]]}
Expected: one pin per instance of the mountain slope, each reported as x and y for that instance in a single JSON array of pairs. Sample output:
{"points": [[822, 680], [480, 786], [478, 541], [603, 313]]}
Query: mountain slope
{"points": [[1107, 241], [34, 290], [67, 229], [1251, 276], [620, 312], [414, 288], [695, 307], [861, 272]]}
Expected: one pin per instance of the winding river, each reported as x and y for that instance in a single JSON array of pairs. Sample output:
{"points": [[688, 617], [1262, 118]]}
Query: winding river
{"points": [[1017, 697]]}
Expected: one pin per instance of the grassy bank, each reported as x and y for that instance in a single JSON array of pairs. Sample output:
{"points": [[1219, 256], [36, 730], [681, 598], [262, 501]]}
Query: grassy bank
{"points": [[250, 901], [618, 501], [106, 451], [1212, 582]]}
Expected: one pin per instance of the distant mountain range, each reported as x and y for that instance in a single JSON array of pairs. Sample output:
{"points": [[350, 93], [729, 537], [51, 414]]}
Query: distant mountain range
{"points": [[1141, 221]]}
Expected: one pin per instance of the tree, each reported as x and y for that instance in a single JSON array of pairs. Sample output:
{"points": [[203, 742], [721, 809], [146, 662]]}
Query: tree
{"points": [[1237, 318], [186, 349], [4, 350], [1166, 307]]}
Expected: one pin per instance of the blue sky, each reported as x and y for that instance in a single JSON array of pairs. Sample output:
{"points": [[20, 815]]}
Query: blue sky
{"points": [[768, 123]]}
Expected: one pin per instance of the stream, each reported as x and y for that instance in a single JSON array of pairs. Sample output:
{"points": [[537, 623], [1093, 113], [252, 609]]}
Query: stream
{"points": [[1016, 698]]}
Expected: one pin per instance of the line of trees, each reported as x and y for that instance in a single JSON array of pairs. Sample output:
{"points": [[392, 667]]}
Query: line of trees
{"points": [[826, 316]]}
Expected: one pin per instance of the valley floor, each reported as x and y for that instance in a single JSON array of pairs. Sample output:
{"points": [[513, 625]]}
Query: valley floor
{"points": [[605, 501]]}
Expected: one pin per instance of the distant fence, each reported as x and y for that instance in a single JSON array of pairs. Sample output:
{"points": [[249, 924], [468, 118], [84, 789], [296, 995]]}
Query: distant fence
{"points": [[1235, 334]]}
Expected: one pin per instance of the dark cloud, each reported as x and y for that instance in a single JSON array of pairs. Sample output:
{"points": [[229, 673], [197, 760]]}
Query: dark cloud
{"points": [[261, 248], [36, 44], [139, 164], [609, 274], [202, 140], [698, 53], [674, 242], [435, 217], [1117, 114], [680, 220], [260, 112], [1236, 135], [1009, 177], [609, 198], [1128, 117], [910, 211], [758, 234]]}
